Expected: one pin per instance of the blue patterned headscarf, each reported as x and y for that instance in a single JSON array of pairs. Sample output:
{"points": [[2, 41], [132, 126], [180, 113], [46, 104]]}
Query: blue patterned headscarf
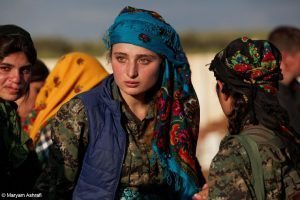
{"points": [[177, 122]]}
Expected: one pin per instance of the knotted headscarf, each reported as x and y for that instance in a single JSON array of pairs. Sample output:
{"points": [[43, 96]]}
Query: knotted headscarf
{"points": [[245, 62], [252, 68], [73, 74], [176, 129]]}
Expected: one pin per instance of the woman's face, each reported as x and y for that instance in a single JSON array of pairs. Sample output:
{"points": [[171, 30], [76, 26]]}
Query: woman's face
{"points": [[25, 105], [14, 76], [135, 69]]}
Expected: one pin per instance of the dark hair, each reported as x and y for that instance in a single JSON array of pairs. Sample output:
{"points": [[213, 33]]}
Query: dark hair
{"points": [[286, 38], [17, 43], [109, 55], [239, 111], [39, 71]]}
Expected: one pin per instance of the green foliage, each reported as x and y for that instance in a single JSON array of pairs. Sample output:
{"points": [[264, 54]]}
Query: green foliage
{"points": [[192, 42], [56, 47], [203, 42]]}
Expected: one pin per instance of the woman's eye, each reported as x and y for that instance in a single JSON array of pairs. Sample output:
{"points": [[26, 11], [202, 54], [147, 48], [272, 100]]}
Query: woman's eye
{"points": [[120, 59], [5, 69], [144, 61], [26, 71]]}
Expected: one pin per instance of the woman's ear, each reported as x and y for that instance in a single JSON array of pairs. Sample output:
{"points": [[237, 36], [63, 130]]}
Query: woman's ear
{"points": [[221, 85], [225, 99]]}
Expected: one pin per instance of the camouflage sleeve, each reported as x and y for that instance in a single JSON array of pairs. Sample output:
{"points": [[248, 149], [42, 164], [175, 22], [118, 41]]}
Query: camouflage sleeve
{"points": [[68, 132], [229, 172]]}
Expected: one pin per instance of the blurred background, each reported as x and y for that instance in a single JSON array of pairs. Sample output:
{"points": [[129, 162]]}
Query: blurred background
{"points": [[205, 27]]}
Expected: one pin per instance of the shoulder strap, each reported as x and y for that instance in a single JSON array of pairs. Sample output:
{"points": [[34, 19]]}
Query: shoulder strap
{"points": [[262, 135], [256, 164]]}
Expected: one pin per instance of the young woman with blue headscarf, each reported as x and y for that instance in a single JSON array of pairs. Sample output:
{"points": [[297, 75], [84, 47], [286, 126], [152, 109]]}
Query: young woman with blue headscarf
{"points": [[134, 136]]}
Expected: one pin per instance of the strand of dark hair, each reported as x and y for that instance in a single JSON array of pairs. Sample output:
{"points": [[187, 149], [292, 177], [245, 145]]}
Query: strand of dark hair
{"points": [[237, 119], [238, 114]]}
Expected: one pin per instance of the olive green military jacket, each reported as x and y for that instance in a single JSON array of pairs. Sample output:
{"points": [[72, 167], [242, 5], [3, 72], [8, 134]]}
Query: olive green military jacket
{"points": [[230, 174]]}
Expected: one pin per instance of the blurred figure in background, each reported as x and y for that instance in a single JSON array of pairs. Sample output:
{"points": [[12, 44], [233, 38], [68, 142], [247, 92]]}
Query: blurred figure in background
{"points": [[260, 156], [39, 73], [287, 40], [73, 74], [17, 55]]}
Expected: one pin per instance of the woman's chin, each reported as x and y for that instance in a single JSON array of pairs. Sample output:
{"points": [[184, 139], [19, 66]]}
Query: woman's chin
{"points": [[10, 97]]}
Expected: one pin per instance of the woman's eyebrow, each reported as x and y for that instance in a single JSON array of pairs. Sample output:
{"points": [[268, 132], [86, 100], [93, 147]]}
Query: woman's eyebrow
{"points": [[137, 56], [119, 53], [146, 55], [6, 64]]}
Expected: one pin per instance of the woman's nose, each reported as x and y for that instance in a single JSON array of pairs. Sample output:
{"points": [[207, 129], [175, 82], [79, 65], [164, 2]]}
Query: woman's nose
{"points": [[132, 70], [15, 76]]}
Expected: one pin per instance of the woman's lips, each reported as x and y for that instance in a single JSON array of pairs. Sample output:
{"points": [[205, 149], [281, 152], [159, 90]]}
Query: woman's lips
{"points": [[13, 90], [131, 84]]}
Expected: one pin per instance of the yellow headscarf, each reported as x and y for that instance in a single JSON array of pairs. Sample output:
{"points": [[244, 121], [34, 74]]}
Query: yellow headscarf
{"points": [[74, 73]]}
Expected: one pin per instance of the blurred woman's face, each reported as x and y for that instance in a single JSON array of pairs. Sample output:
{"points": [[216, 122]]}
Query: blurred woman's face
{"points": [[26, 104], [135, 69], [14, 76]]}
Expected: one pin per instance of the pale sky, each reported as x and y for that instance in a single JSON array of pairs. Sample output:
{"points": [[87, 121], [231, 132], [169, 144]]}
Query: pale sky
{"points": [[88, 19]]}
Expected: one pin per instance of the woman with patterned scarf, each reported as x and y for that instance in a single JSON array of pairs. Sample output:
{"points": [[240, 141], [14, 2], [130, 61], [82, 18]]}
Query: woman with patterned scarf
{"points": [[259, 158], [134, 136]]}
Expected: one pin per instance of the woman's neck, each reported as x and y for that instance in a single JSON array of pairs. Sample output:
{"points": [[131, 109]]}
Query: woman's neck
{"points": [[137, 104]]}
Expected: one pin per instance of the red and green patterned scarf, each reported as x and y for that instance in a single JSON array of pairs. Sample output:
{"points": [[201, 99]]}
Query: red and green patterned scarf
{"points": [[252, 68]]}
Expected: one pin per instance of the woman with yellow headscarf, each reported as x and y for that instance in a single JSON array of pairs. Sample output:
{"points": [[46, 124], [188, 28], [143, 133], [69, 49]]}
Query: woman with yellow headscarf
{"points": [[74, 73]]}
